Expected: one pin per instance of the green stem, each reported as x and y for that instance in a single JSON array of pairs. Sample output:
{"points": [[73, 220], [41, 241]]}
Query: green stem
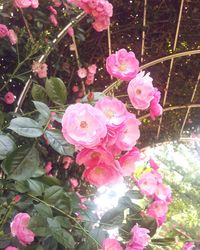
{"points": [[67, 215]]}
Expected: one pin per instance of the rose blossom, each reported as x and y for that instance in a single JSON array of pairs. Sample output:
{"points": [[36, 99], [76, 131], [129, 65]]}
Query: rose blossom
{"points": [[155, 108], [114, 110], [74, 182], [153, 164], [158, 210], [127, 161], [148, 184], [140, 238], [11, 248], [127, 139], [3, 30], [122, 65], [89, 79], [92, 69], [188, 246], [40, 69], [163, 193], [26, 3], [12, 36], [75, 88], [83, 125], [141, 91], [19, 228], [9, 98], [70, 31], [82, 73], [53, 20], [111, 244], [57, 3], [53, 11], [102, 174], [91, 157]]}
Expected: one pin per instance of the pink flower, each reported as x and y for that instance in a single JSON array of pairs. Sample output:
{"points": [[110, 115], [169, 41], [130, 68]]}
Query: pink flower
{"points": [[12, 37], [17, 198], [91, 157], [163, 193], [122, 65], [153, 164], [155, 108], [83, 125], [140, 238], [3, 31], [34, 4], [111, 244], [114, 110], [26, 3], [148, 184], [48, 167], [158, 210], [75, 88], [82, 73], [90, 79], [40, 69], [128, 160], [57, 3], [11, 248], [188, 246], [53, 11], [127, 139], [92, 69], [19, 228], [102, 174], [67, 162], [70, 31], [53, 20], [9, 98], [74, 182], [141, 91]]}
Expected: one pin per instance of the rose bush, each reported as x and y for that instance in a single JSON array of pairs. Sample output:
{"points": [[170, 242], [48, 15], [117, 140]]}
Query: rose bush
{"points": [[55, 154]]}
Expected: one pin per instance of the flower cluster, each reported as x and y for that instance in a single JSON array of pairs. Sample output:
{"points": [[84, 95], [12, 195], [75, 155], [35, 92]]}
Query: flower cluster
{"points": [[19, 228], [89, 73], [23, 4], [100, 10], [151, 185], [124, 65], [10, 33], [103, 134], [40, 69]]}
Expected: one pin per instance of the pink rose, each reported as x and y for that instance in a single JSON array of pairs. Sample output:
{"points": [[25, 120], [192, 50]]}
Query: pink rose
{"points": [[40, 69], [57, 3], [26, 3], [75, 88], [82, 73], [48, 167], [17, 198], [53, 20], [74, 182], [122, 65], [163, 193], [53, 11], [128, 160], [70, 31], [19, 228], [141, 91], [34, 4], [92, 69], [188, 246], [3, 31], [155, 108], [148, 184], [140, 238], [90, 79], [11, 248], [114, 110], [83, 125], [158, 210], [153, 164], [9, 98], [127, 139], [109, 244], [102, 174], [12, 37], [91, 157]]}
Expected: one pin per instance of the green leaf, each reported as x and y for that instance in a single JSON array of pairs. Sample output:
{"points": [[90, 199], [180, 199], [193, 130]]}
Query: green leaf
{"points": [[22, 186], [2, 118], [39, 226], [26, 127], [38, 93], [56, 90], [99, 235], [134, 194], [149, 223], [125, 202], [44, 210], [63, 221], [60, 234], [22, 163], [113, 217], [53, 194], [58, 143], [36, 188], [43, 109], [7, 146]]}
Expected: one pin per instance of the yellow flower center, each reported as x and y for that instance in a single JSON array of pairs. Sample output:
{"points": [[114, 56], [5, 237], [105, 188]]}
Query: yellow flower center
{"points": [[109, 114], [138, 92], [83, 124], [98, 171], [122, 67]]}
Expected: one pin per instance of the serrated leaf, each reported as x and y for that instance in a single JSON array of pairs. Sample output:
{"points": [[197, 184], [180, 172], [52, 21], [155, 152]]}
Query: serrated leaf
{"points": [[39, 226], [26, 127], [44, 210], [7, 146], [36, 188], [38, 93], [53, 194], [60, 234], [22, 163], [56, 90], [58, 143], [43, 109]]}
